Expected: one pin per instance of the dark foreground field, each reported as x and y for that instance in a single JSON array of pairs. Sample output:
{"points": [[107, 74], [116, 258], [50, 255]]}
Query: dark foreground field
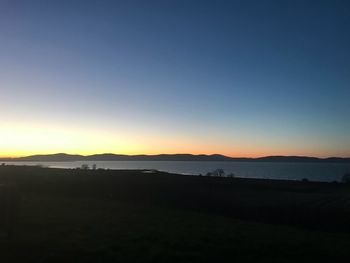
{"points": [[133, 216]]}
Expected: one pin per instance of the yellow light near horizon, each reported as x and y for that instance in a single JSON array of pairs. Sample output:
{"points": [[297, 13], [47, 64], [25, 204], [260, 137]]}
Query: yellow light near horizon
{"points": [[32, 138], [21, 140]]}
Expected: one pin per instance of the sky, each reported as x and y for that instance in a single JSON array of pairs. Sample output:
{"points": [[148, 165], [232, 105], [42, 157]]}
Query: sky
{"points": [[240, 78]]}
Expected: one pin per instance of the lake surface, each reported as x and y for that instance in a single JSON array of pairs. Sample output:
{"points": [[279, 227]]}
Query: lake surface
{"points": [[327, 172]]}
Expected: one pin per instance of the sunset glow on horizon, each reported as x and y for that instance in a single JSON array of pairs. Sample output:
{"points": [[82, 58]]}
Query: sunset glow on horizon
{"points": [[25, 140], [238, 79]]}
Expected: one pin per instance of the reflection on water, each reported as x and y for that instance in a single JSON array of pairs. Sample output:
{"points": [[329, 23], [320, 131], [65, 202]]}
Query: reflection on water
{"points": [[292, 171]]}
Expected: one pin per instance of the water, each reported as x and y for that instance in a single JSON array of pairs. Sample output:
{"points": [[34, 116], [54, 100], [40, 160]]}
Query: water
{"points": [[326, 172]]}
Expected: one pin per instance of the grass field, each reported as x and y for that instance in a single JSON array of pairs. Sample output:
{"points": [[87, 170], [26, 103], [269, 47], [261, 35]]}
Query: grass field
{"points": [[131, 216]]}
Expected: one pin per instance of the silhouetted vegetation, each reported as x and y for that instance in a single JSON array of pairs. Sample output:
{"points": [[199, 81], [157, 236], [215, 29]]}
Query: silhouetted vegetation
{"points": [[85, 167], [70, 215], [217, 173]]}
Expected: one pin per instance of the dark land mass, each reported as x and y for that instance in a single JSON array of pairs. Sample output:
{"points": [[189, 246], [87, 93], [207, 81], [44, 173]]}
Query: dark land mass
{"points": [[74, 215], [62, 157]]}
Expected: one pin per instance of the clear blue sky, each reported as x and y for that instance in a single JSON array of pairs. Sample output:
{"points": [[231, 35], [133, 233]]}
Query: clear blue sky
{"points": [[242, 78]]}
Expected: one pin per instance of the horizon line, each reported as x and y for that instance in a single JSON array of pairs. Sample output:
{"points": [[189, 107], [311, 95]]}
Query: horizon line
{"points": [[238, 157]]}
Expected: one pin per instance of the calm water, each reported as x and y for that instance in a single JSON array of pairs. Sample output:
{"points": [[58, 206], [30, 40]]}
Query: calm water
{"points": [[292, 171]]}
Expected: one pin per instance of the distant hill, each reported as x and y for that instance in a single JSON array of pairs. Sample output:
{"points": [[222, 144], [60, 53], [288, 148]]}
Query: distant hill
{"points": [[58, 157], [62, 157]]}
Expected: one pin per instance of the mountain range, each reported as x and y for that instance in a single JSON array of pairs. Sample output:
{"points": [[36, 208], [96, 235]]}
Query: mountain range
{"points": [[62, 157]]}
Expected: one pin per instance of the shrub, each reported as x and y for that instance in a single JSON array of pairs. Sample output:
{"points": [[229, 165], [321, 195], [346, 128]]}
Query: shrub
{"points": [[85, 167], [218, 172]]}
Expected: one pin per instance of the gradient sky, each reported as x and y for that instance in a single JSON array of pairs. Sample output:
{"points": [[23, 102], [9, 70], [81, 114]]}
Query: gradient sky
{"points": [[240, 78]]}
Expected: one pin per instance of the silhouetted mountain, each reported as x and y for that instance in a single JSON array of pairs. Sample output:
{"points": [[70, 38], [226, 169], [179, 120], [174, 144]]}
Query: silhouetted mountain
{"points": [[297, 159], [302, 159], [159, 157], [62, 157], [58, 157]]}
